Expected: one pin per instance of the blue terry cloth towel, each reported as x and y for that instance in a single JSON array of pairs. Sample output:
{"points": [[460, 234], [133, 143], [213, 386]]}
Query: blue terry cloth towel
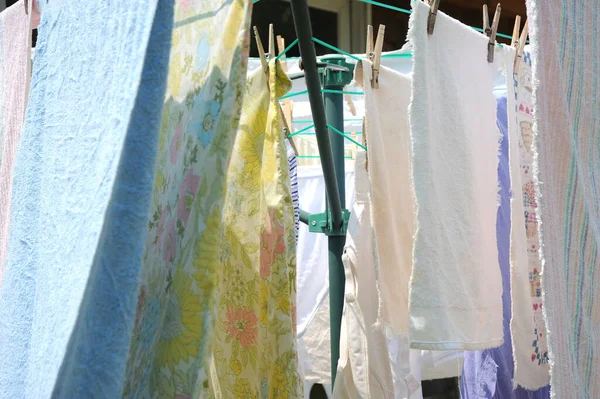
{"points": [[82, 186], [488, 374]]}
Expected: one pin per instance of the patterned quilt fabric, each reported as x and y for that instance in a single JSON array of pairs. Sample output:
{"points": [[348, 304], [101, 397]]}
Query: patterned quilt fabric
{"points": [[528, 326], [200, 116], [254, 347]]}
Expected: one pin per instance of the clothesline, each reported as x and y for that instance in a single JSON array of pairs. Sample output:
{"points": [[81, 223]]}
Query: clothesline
{"points": [[389, 7]]}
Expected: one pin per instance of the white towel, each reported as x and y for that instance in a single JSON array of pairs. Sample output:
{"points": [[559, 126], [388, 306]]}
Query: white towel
{"points": [[393, 211], [527, 325], [456, 287]]}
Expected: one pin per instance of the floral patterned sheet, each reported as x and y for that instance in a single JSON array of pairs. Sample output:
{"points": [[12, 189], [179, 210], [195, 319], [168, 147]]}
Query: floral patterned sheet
{"points": [[200, 117], [254, 346]]}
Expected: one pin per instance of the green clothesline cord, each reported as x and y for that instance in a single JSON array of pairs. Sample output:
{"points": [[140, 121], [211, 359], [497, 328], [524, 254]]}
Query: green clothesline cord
{"points": [[310, 120], [299, 93], [293, 94], [358, 93], [300, 131], [405, 55], [288, 48], [315, 156], [405, 11], [329, 46], [346, 137], [376, 3], [313, 133]]}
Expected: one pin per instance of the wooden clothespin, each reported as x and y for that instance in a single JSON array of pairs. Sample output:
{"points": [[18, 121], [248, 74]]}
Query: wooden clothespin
{"points": [[516, 30], [271, 42], [491, 31], [433, 9], [281, 47], [369, 48], [377, 57], [287, 109], [261, 51], [26, 2], [520, 45]]}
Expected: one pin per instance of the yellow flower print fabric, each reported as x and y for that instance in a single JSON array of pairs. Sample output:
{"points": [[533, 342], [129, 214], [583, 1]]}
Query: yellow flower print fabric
{"points": [[254, 344], [207, 75]]}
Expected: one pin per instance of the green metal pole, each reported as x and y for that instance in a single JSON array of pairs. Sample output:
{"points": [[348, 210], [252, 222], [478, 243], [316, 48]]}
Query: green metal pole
{"points": [[334, 109], [313, 84]]}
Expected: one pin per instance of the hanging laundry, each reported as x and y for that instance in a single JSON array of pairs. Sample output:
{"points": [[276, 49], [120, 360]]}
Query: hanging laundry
{"points": [[564, 37], [293, 165], [488, 374], [173, 322], [456, 286], [393, 210], [81, 189], [16, 24], [364, 369], [528, 325], [312, 281], [254, 346]]}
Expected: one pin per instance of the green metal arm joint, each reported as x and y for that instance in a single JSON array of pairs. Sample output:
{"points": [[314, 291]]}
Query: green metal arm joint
{"points": [[322, 223]]}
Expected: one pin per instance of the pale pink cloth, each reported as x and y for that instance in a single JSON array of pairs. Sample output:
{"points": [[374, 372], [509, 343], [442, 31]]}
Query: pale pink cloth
{"points": [[15, 71]]}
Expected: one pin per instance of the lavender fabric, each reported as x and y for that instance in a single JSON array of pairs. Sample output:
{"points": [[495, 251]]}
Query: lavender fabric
{"points": [[489, 374]]}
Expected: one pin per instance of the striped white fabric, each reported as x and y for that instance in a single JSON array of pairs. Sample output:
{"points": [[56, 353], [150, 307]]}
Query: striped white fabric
{"points": [[566, 73], [294, 184]]}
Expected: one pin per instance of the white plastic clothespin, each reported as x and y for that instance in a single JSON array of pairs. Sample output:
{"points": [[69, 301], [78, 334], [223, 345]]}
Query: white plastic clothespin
{"points": [[520, 45], [433, 9], [491, 31], [375, 55]]}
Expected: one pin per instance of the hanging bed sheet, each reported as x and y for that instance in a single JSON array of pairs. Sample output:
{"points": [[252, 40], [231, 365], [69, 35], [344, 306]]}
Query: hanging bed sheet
{"points": [[173, 321]]}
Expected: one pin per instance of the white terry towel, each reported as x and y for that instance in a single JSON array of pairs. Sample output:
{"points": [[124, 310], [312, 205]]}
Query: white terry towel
{"points": [[456, 287], [393, 211]]}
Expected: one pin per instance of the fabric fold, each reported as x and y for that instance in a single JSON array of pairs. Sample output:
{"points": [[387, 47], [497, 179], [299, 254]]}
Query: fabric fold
{"points": [[456, 287], [254, 346]]}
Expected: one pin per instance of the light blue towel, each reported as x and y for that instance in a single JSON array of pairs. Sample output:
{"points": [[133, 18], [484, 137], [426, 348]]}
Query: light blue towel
{"points": [[82, 185]]}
